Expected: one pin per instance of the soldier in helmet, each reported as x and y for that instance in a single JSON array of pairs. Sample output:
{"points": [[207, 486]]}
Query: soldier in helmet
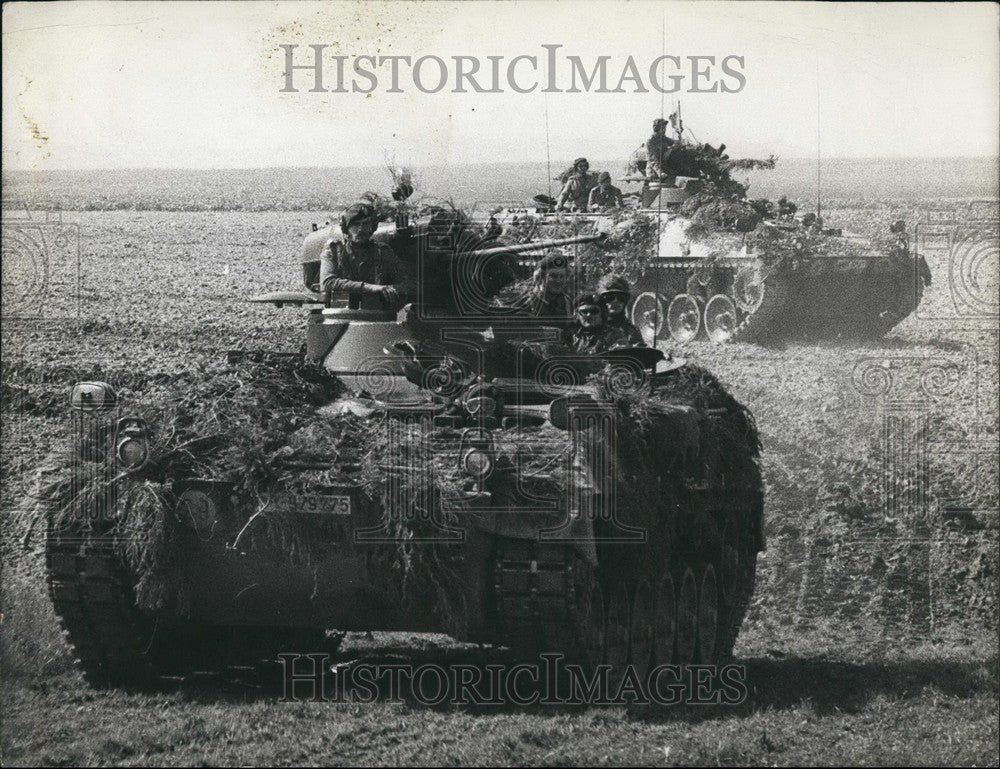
{"points": [[576, 190], [614, 292], [368, 271], [591, 334]]}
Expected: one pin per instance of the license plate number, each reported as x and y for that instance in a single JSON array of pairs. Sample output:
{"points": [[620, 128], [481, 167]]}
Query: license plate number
{"points": [[314, 504]]}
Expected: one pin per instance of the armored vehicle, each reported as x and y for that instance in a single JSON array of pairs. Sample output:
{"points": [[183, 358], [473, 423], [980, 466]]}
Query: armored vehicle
{"points": [[716, 265], [410, 471]]}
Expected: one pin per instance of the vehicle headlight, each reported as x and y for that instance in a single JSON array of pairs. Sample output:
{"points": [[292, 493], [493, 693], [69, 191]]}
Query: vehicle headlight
{"points": [[132, 448], [93, 397], [477, 463]]}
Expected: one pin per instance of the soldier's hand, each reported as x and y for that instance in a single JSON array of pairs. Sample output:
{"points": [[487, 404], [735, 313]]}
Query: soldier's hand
{"points": [[390, 296]]}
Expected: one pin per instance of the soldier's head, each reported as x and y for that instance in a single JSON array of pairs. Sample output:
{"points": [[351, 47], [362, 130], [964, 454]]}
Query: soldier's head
{"points": [[552, 274], [581, 166], [358, 222], [604, 179], [659, 125], [614, 292], [589, 312]]}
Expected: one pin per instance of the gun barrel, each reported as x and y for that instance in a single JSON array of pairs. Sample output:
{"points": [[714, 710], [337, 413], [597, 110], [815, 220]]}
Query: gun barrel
{"points": [[538, 245]]}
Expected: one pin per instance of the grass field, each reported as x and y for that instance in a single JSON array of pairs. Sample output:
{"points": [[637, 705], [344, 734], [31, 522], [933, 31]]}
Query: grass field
{"points": [[873, 633]]}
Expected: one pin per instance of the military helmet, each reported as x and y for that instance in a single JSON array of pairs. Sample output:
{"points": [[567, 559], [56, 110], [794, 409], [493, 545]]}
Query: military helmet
{"points": [[356, 213], [613, 284], [587, 300]]}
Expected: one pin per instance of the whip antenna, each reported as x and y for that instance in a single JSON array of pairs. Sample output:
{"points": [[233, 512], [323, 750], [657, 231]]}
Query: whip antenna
{"points": [[659, 194], [548, 157], [818, 151]]}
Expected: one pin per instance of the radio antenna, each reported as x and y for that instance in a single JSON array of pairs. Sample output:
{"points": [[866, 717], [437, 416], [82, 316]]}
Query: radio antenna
{"points": [[548, 157], [819, 154], [659, 193]]}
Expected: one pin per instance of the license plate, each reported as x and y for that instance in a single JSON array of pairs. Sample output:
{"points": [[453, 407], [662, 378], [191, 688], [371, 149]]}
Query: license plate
{"points": [[313, 504]]}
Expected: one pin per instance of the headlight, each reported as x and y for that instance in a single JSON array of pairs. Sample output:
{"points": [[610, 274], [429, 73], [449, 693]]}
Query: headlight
{"points": [[132, 449], [477, 463], [93, 397]]}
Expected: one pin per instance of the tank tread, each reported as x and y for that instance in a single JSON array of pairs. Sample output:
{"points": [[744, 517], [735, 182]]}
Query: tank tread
{"points": [[116, 645], [538, 592], [537, 589], [95, 612]]}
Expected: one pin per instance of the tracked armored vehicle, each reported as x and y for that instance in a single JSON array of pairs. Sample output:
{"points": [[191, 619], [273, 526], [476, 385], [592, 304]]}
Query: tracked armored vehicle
{"points": [[415, 472], [715, 265]]}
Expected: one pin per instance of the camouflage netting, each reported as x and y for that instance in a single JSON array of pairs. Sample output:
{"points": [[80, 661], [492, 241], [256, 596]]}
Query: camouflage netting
{"points": [[720, 214], [255, 426], [649, 445], [230, 424]]}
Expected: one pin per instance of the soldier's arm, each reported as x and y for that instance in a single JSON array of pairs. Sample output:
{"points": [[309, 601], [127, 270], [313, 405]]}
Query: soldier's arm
{"points": [[329, 278], [567, 191], [395, 274], [591, 203]]}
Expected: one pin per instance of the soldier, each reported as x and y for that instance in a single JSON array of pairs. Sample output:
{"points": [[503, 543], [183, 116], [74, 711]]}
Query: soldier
{"points": [[355, 264], [578, 186], [605, 195], [615, 293], [591, 334], [659, 147], [550, 300]]}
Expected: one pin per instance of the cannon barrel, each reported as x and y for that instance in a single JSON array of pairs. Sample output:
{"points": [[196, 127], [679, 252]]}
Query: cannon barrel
{"points": [[521, 248]]}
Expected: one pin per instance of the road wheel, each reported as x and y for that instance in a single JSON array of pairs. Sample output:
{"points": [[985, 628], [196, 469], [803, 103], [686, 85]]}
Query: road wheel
{"points": [[729, 572], [641, 634], [617, 633], [708, 615], [687, 619], [684, 318], [721, 318], [649, 316], [665, 624], [591, 614]]}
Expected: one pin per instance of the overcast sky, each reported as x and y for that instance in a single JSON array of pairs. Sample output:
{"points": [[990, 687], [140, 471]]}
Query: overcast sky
{"points": [[165, 84]]}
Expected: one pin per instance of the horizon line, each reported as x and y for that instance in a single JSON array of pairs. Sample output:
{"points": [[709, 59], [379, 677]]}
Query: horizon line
{"points": [[463, 164]]}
